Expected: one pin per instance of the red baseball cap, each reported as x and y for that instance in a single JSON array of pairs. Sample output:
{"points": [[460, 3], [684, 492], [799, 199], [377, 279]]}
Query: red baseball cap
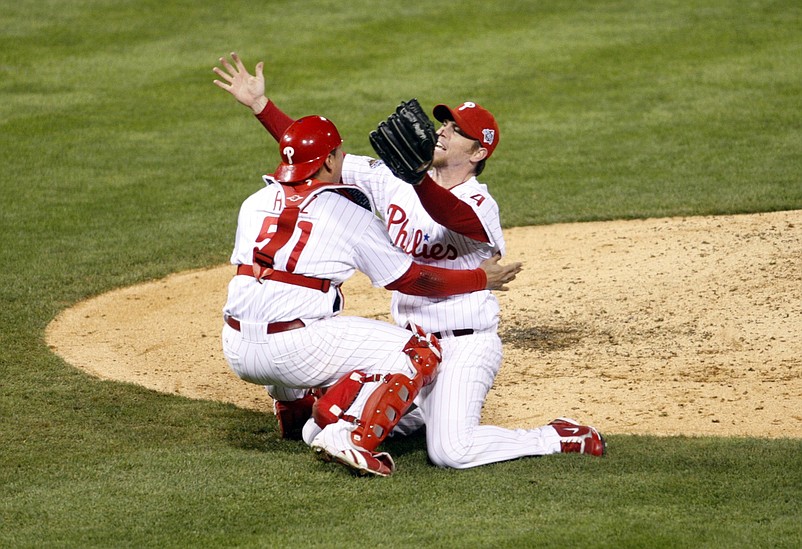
{"points": [[475, 121]]}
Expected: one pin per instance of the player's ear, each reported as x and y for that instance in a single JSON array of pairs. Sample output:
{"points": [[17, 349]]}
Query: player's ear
{"points": [[479, 154], [330, 160]]}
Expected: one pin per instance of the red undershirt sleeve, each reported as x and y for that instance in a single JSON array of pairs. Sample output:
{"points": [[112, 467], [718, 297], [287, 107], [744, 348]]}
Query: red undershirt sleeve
{"points": [[274, 120], [450, 211], [425, 280]]}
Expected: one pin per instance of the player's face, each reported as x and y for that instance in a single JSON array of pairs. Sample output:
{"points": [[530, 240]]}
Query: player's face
{"points": [[453, 147]]}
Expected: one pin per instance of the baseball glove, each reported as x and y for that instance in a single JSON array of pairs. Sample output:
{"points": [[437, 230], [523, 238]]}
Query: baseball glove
{"points": [[405, 142]]}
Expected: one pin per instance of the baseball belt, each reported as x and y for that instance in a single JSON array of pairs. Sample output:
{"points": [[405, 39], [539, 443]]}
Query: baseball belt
{"points": [[272, 328], [452, 333]]}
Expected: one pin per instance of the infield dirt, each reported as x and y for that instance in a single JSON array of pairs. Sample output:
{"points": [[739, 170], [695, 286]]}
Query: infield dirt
{"points": [[681, 326]]}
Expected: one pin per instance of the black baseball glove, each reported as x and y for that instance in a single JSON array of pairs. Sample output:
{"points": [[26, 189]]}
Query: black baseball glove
{"points": [[405, 142]]}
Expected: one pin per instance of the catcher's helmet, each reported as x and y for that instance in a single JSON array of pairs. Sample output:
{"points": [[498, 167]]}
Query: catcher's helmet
{"points": [[304, 147]]}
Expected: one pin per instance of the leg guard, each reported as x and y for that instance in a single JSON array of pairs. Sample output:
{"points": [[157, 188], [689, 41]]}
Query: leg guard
{"points": [[292, 415], [384, 408], [391, 400]]}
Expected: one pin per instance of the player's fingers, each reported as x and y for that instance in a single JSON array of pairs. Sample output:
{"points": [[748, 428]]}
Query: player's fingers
{"points": [[227, 65], [238, 61], [511, 269], [222, 74], [221, 85], [259, 69]]}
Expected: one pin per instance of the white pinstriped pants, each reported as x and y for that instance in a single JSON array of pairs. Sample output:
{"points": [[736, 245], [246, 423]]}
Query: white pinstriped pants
{"points": [[317, 355], [452, 409]]}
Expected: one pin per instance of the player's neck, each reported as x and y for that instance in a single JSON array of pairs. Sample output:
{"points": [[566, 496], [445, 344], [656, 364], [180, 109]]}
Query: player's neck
{"points": [[450, 178]]}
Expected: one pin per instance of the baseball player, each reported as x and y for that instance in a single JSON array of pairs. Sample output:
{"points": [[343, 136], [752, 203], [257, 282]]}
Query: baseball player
{"points": [[298, 238], [440, 215]]}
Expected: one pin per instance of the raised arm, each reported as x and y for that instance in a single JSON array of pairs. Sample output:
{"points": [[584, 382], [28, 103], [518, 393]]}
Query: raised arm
{"points": [[249, 90]]}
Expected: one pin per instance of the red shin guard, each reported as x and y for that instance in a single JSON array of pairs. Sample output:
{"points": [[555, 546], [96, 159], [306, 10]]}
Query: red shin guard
{"points": [[384, 408], [391, 400], [292, 414], [425, 352]]}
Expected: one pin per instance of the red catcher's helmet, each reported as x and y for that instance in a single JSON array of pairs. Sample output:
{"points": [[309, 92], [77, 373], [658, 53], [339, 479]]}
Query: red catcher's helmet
{"points": [[304, 147]]}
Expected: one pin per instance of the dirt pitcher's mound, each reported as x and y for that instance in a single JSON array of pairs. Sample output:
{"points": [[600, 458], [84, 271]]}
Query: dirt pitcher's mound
{"points": [[663, 326]]}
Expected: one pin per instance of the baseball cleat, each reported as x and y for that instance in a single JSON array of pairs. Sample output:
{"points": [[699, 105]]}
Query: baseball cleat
{"points": [[578, 438], [361, 462]]}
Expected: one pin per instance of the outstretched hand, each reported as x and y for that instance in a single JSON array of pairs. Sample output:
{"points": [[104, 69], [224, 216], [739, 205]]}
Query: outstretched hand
{"points": [[247, 88], [499, 275]]}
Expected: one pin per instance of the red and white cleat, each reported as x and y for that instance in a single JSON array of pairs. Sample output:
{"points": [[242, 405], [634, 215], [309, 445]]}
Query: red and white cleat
{"points": [[361, 462], [578, 438]]}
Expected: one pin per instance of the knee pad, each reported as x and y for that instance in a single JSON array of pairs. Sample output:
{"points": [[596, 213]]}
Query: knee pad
{"points": [[425, 353]]}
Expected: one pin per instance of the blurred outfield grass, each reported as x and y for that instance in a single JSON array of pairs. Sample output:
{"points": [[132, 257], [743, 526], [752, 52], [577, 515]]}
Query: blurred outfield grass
{"points": [[122, 163]]}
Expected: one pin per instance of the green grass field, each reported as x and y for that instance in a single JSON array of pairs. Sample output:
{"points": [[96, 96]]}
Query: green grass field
{"points": [[122, 162]]}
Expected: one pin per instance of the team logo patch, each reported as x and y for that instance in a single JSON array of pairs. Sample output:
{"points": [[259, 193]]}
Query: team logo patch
{"points": [[375, 163], [488, 136], [289, 152]]}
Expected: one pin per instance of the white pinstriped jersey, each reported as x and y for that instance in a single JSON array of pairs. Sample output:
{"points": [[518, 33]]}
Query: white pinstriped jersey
{"points": [[413, 230], [332, 238]]}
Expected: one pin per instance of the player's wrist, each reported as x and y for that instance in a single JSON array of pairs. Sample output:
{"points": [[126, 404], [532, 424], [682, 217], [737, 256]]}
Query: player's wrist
{"points": [[259, 104], [424, 184]]}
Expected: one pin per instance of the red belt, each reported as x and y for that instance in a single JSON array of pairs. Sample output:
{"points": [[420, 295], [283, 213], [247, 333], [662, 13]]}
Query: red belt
{"points": [[272, 328], [310, 282]]}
